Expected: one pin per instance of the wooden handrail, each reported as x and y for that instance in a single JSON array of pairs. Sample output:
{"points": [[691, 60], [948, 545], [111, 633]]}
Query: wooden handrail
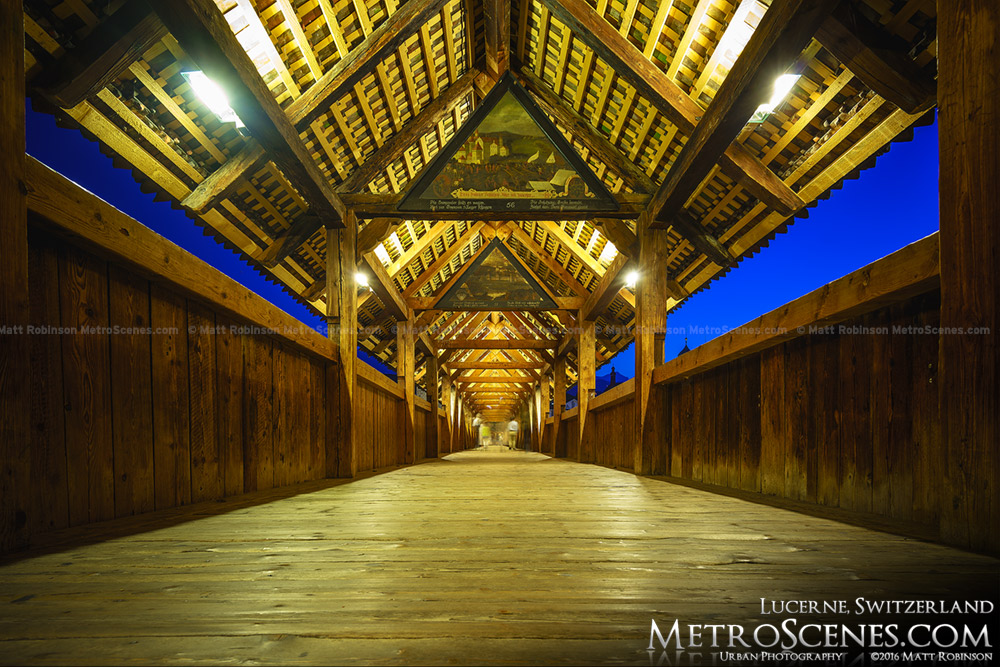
{"points": [[377, 380], [612, 397], [69, 211], [906, 273]]}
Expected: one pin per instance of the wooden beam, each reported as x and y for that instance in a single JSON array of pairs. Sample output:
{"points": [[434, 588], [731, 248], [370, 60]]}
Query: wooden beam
{"points": [[739, 164], [298, 233], [650, 328], [787, 27], [864, 48], [905, 273], [496, 344], [206, 37], [342, 320], [701, 239], [607, 289], [628, 62], [410, 134], [433, 430], [618, 232], [479, 377], [223, 181], [102, 56], [361, 60], [373, 206], [15, 361], [69, 211], [384, 288], [496, 26], [580, 128], [494, 365], [448, 400], [376, 231], [640, 72], [569, 303], [969, 387], [558, 404]]}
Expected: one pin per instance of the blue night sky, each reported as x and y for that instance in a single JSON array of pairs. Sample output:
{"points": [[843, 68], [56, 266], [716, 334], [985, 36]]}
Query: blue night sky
{"points": [[888, 207]]}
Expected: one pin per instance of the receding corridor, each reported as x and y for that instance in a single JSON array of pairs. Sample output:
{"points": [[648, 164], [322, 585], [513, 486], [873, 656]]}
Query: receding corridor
{"points": [[485, 557]]}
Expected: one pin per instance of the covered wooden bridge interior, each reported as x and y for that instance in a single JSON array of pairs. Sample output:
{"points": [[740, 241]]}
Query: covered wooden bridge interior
{"points": [[201, 418]]}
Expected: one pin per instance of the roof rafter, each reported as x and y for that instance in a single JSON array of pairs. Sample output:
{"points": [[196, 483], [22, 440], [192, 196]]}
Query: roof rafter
{"points": [[862, 47], [668, 97], [363, 58], [102, 56], [786, 29], [581, 129], [411, 132], [385, 288], [204, 34], [607, 289]]}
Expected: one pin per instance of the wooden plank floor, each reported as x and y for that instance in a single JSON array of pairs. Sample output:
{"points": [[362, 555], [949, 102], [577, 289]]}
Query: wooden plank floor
{"points": [[486, 557]]}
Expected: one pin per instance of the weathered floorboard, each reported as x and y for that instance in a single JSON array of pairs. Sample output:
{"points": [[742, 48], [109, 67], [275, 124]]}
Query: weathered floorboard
{"points": [[389, 569]]}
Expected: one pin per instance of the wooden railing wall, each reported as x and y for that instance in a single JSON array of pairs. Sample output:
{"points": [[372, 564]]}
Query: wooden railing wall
{"points": [[153, 400], [156, 381], [840, 417]]}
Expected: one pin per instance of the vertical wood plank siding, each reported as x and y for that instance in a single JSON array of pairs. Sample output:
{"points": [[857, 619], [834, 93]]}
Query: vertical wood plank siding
{"points": [[847, 420], [186, 405]]}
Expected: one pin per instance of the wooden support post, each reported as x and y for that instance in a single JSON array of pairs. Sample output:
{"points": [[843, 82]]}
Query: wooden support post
{"points": [[586, 359], [536, 399], [458, 430], [431, 378], [15, 370], [650, 326], [448, 400], [342, 319], [532, 428], [558, 403], [404, 373], [546, 401], [969, 137]]}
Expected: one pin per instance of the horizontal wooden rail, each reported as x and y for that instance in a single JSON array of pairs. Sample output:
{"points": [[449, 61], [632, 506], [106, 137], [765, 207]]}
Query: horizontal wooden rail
{"points": [[571, 414], [376, 379], [84, 219], [422, 404], [612, 397], [908, 272]]}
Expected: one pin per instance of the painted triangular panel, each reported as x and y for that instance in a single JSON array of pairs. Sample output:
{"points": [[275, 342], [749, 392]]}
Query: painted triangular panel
{"points": [[496, 281], [508, 157]]}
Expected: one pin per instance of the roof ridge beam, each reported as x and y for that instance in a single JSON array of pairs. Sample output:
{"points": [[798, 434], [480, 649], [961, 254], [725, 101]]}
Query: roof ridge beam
{"points": [[496, 28]]}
